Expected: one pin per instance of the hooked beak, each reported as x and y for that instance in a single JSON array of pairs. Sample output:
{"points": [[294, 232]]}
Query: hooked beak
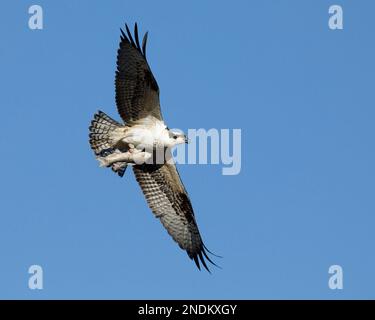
{"points": [[187, 140]]}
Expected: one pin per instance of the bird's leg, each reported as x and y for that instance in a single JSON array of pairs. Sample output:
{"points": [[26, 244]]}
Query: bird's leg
{"points": [[132, 156], [107, 161]]}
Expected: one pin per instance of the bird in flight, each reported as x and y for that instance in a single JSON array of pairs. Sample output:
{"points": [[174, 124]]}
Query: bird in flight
{"points": [[144, 142]]}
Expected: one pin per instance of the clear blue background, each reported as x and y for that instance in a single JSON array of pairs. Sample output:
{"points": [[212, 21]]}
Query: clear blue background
{"points": [[302, 94]]}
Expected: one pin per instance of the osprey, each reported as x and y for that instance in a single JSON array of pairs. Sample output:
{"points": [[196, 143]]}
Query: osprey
{"points": [[140, 140]]}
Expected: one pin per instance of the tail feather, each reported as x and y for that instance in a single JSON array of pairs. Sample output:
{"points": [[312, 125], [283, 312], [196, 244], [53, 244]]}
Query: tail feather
{"points": [[100, 129], [100, 138]]}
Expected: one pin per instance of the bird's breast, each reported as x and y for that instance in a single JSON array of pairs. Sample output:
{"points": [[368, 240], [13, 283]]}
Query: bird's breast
{"points": [[146, 136]]}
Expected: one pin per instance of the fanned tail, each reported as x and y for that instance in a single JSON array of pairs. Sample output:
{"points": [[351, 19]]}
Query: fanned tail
{"points": [[100, 139]]}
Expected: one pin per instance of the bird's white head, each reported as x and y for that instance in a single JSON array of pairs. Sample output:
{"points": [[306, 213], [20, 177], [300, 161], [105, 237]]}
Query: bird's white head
{"points": [[176, 137]]}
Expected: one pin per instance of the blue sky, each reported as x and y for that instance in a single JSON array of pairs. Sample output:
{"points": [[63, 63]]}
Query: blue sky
{"points": [[304, 200]]}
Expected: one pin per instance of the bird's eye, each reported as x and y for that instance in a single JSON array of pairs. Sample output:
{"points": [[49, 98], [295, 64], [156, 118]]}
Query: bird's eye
{"points": [[174, 137]]}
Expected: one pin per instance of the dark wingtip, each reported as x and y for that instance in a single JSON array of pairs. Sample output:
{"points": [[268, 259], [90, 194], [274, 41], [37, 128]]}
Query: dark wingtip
{"points": [[197, 262], [210, 252], [144, 42], [129, 35], [208, 258], [123, 36], [134, 41], [136, 36], [203, 262], [202, 256]]}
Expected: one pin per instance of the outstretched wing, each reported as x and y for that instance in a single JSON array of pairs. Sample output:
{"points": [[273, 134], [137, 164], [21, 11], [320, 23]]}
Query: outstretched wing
{"points": [[169, 201], [137, 92]]}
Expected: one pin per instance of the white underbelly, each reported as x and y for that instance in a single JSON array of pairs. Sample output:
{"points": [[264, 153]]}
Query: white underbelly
{"points": [[142, 137]]}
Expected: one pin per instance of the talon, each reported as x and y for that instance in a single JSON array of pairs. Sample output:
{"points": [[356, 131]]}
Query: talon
{"points": [[119, 165], [103, 162], [141, 157], [147, 156]]}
